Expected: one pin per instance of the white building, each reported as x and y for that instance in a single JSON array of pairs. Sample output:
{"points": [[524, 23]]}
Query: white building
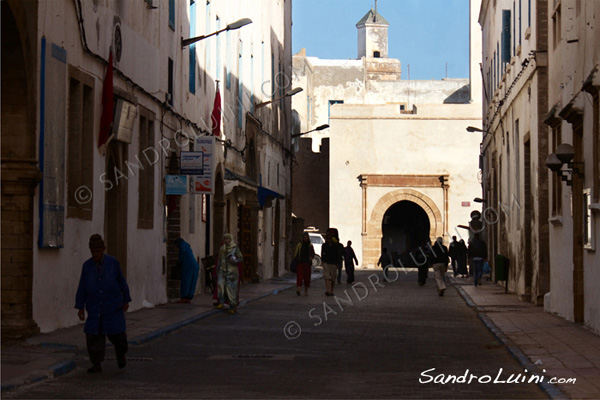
{"points": [[401, 168], [573, 119], [515, 144], [59, 188]]}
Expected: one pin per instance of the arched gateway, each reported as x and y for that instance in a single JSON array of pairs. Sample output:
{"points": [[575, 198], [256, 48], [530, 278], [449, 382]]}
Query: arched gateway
{"points": [[374, 232]]}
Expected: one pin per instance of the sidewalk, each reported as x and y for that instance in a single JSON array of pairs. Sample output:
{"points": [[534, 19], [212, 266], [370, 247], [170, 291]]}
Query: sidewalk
{"points": [[543, 343], [52, 354]]}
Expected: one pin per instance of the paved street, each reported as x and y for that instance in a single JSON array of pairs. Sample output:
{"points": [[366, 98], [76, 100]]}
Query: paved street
{"points": [[374, 341]]}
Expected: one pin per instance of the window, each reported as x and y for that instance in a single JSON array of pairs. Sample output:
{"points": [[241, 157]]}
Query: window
{"points": [[556, 31], [240, 85], [172, 14], [506, 36], [80, 147], [332, 102], [170, 83], [520, 26], [596, 148], [556, 179], [377, 54], [228, 51], [587, 220], [146, 161], [192, 49]]}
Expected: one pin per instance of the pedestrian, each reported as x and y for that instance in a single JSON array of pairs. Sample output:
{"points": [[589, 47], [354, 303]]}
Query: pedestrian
{"points": [[331, 257], [385, 260], [439, 260], [453, 253], [422, 262], [462, 258], [228, 274], [341, 262], [104, 294], [304, 254], [349, 260], [477, 255], [189, 271]]}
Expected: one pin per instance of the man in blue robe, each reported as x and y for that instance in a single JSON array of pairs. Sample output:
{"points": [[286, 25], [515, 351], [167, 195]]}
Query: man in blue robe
{"points": [[104, 294]]}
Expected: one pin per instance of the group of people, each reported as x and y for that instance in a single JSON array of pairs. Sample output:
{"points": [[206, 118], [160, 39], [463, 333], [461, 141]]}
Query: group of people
{"points": [[333, 255], [438, 256], [104, 293]]}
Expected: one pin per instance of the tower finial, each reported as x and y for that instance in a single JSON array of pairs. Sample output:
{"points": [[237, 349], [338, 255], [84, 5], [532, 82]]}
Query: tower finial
{"points": [[375, 16]]}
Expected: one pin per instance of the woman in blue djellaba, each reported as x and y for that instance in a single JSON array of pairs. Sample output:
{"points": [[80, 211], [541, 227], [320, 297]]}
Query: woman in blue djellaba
{"points": [[189, 271]]}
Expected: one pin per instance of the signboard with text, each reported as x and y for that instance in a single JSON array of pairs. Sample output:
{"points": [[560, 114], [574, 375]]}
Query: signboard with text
{"points": [[203, 182]]}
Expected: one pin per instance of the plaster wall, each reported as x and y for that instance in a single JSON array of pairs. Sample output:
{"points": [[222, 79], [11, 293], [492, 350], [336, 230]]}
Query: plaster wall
{"points": [[380, 140]]}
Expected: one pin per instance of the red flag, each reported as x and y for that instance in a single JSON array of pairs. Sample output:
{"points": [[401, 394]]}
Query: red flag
{"points": [[216, 115], [107, 103]]}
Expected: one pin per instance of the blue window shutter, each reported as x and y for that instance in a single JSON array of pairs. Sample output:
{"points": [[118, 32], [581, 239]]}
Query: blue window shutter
{"points": [[228, 50], [172, 14], [193, 49], [505, 35], [240, 86]]}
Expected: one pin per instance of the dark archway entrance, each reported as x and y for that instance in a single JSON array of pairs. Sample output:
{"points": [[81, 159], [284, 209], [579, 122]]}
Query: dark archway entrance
{"points": [[405, 227]]}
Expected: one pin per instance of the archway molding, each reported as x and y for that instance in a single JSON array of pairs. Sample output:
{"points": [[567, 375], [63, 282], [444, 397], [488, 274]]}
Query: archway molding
{"points": [[373, 235]]}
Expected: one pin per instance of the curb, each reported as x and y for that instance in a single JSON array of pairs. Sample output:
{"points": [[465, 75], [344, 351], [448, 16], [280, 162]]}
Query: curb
{"points": [[56, 370], [553, 391]]}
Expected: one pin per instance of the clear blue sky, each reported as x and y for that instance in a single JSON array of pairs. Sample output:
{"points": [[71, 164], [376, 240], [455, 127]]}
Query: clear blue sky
{"points": [[425, 34]]}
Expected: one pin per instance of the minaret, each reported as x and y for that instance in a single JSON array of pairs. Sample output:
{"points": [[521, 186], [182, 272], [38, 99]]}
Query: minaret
{"points": [[372, 35]]}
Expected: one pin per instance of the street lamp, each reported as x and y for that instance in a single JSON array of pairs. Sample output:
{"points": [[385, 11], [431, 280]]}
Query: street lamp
{"points": [[564, 155], [234, 25], [318, 128], [288, 94], [473, 129]]}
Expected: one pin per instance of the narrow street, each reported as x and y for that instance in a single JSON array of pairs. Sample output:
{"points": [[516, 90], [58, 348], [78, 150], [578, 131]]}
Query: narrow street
{"points": [[375, 341]]}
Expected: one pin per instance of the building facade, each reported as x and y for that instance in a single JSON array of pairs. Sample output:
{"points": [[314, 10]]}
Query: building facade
{"points": [[60, 186], [399, 159], [540, 149], [515, 142], [573, 122]]}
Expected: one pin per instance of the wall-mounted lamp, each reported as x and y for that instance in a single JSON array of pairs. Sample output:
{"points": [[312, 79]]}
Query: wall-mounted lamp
{"points": [[318, 128], [234, 25], [288, 94], [564, 155], [479, 200], [473, 129]]}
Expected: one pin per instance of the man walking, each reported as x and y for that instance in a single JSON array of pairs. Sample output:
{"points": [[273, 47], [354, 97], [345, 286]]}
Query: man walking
{"points": [[453, 253], [331, 256], [440, 264], [477, 255], [104, 294]]}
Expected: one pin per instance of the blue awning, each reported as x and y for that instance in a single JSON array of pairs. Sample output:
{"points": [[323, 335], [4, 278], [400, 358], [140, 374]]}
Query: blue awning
{"points": [[265, 195]]}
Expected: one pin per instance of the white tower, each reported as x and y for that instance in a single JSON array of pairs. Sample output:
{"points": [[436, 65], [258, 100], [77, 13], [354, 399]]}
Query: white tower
{"points": [[372, 35]]}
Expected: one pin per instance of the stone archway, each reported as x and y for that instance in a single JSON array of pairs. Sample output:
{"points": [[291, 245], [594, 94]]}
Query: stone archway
{"points": [[372, 236]]}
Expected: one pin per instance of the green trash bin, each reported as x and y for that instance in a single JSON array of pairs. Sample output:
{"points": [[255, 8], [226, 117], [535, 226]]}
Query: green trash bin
{"points": [[501, 270]]}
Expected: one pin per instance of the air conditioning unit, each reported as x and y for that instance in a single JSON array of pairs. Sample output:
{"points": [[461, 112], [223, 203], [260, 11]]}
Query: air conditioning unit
{"points": [[125, 114]]}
